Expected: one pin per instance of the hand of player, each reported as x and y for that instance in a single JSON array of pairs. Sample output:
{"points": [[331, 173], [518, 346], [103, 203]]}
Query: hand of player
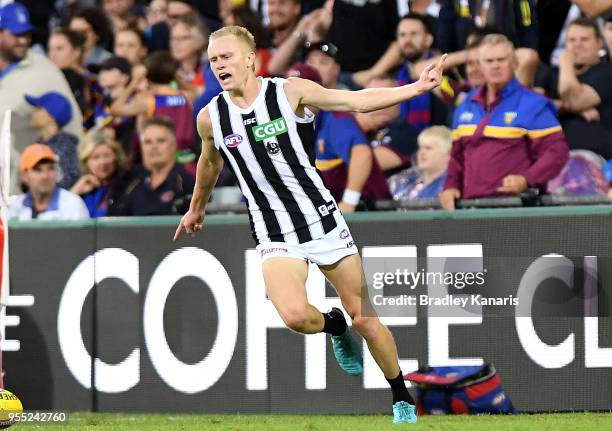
{"points": [[513, 184], [431, 77], [448, 198], [191, 222]]}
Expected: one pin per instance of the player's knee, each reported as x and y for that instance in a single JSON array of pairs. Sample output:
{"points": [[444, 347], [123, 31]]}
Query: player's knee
{"points": [[353, 311], [366, 326], [296, 319]]}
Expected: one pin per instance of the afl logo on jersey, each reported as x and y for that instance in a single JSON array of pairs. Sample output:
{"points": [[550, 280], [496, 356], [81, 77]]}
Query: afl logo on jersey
{"points": [[233, 140]]}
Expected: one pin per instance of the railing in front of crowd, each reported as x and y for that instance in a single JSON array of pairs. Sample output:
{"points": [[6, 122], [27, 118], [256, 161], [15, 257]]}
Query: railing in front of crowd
{"points": [[525, 200]]}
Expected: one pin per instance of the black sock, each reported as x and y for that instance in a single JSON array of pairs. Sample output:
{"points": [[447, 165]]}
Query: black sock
{"points": [[398, 387], [334, 322]]}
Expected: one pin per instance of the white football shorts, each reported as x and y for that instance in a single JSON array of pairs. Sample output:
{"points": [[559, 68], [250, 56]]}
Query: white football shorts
{"points": [[326, 250]]}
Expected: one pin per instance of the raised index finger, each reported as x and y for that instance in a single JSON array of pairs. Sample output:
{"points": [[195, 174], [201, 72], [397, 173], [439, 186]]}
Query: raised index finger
{"points": [[179, 229]]}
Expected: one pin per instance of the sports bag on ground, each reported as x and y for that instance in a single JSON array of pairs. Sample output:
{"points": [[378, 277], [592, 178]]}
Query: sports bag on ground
{"points": [[459, 390]]}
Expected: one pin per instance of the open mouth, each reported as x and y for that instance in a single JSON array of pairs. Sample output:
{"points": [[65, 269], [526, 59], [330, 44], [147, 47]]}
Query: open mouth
{"points": [[223, 76]]}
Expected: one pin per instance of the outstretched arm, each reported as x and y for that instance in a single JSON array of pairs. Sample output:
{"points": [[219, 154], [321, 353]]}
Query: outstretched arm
{"points": [[207, 173], [304, 92]]}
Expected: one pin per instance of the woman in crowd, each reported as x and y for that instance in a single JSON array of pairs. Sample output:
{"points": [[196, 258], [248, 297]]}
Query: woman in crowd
{"points": [[427, 178], [131, 44], [103, 162], [66, 48]]}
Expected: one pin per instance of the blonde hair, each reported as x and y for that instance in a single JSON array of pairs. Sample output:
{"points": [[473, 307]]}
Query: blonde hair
{"points": [[92, 141], [498, 39], [441, 135], [235, 30]]}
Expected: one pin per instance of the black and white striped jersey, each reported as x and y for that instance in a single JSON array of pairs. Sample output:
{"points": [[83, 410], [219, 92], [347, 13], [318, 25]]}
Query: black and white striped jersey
{"points": [[271, 151]]}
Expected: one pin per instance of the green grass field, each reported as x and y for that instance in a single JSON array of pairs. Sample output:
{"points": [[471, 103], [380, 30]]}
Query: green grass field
{"points": [[175, 422]]}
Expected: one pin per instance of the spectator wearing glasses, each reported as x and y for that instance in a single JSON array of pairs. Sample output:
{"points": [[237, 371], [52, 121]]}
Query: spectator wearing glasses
{"points": [[188, 39]]}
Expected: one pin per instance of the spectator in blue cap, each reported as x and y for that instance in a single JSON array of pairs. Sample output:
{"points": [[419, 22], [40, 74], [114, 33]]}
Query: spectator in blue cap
{"points": [[23, 70], [16, 34], [52, 111], [16, 19]]}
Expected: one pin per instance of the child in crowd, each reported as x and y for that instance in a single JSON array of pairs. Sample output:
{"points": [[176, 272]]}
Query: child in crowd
{"points": [[425, 180], [52, 111]]}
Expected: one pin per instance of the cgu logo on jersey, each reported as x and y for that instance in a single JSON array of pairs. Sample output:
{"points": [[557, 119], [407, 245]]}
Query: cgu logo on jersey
{"points": [[233, 140], [270, 129]]}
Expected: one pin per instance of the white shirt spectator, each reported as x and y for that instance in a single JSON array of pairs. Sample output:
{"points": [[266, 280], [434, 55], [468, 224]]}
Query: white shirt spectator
{"points": [[63, 205]]}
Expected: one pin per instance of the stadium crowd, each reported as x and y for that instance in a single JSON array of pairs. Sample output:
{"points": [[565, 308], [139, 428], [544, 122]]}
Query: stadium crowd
{"points": [[103, 97]]}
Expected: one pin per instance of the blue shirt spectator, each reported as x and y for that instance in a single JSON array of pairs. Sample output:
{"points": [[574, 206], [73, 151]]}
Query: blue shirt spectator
{"points": [[345, 158]]}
